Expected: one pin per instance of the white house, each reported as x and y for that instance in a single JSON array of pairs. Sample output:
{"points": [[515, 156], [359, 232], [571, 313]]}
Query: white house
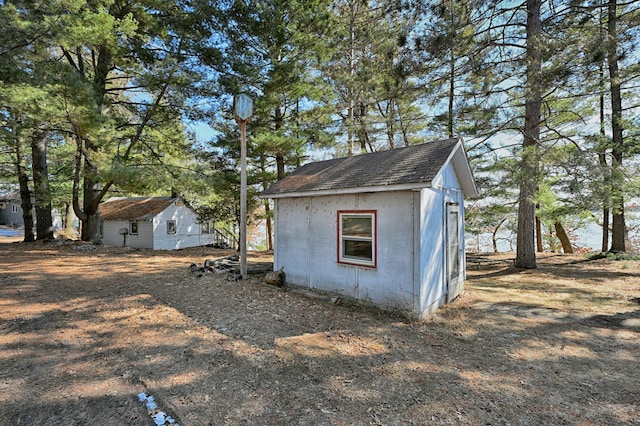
{"points": [[159, 223], [385, 227], [11, 211]]}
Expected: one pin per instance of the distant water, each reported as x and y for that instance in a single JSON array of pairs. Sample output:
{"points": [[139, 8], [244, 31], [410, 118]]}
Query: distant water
{"points": [[7, 232], [588, 238]]}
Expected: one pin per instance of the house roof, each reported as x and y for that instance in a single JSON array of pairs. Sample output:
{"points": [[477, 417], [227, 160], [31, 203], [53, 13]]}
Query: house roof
{"points": [[8, 197], [140, 208], [414, 166]]}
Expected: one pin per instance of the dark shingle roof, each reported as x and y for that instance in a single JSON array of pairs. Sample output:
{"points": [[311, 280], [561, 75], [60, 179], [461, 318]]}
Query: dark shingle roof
{"points": [[133, 208], [413, 164]]}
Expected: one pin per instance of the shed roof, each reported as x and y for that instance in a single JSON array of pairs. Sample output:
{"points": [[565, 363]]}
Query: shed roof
{"points": [[140, 208], [414, 166]]}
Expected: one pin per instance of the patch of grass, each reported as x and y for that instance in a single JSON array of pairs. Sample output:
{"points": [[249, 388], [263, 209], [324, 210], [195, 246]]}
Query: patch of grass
{"points": [[613, 256]]}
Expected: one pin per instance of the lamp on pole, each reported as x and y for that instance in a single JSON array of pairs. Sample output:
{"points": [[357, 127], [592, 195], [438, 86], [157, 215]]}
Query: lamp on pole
{"points": [[242, 109]]}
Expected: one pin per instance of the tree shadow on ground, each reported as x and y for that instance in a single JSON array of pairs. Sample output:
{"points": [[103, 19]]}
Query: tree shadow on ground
{"points": [[79, 348]]}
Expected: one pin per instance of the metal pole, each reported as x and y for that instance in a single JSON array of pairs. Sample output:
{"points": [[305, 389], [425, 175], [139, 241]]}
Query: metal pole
{"points": [[243, 199], [243, 107]]}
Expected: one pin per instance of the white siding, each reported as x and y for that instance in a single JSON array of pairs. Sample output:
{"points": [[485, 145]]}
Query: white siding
{"points": [[11, 218], [433, 286], [187, 229], [292, 239], [307, 246], [153, 233], [431, 277], [111, 234], [410, 273], [144, 238]]}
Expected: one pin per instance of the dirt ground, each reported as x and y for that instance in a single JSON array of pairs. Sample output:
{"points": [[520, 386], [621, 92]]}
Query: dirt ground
{"points": [[85, 329]]}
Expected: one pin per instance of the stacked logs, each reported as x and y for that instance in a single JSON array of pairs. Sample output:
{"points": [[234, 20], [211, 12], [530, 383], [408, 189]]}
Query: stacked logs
{"points": [[230, 265]]}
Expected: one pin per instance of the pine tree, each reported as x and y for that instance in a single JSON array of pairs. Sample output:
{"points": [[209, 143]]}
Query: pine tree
{"points": [[372, 75], [607, 32], [131, 67]]}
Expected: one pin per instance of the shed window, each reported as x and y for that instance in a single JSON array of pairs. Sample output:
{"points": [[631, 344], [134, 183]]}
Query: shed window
{"points": [[133, 228], [357, 237], [171, 227], [14, 208]]}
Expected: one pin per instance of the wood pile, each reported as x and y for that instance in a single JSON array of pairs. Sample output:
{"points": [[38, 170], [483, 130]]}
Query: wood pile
{"points": [[230, 265]]}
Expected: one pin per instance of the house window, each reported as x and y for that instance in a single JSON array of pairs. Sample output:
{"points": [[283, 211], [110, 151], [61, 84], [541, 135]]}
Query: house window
{"points": [[14, 208], [133, 228], [357, 237], [206, 229], [171, 227]]}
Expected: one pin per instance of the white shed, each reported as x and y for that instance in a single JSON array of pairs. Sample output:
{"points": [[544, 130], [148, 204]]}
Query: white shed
{"points": [[159, 223], [385, 227]]}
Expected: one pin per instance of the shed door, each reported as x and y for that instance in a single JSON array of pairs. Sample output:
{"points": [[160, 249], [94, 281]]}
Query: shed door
{"points": [[454, 282]]}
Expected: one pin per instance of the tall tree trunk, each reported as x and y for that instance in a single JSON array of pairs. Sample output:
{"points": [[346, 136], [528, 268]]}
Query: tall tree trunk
{"points": [[279, 122], [352, 70], [23, 183], [602, 152], [27, 206], [69, 221], [563, 237], [44, 222], [602, 158], [451, 94], [618, 233], [267, 212], [88, 211], [91, 222], [267, 207], [539, 246], [363, 134], [525, 251]]}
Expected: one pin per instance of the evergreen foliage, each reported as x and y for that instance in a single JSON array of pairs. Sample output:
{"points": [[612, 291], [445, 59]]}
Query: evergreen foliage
{"points": [[97, 98]]}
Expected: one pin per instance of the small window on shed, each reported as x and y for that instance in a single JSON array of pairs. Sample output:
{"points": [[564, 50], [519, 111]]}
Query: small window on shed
{"points": [[171, 227], [133, 228], [14, 208], [357, 237]]}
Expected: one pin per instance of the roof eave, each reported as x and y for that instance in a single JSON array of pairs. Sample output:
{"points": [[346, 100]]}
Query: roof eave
{"points": [[463, 170], [346, 191]]}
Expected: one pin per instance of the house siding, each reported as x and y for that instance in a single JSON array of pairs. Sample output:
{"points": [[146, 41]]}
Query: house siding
{"points": [[307, 247], [144, 238], [8, 217], [153, 234], [111, 232], [187, 229], [433, 201]]}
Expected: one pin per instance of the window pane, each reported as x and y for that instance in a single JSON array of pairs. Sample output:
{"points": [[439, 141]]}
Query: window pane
{"points": [[358, 249], [356, 226]]}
